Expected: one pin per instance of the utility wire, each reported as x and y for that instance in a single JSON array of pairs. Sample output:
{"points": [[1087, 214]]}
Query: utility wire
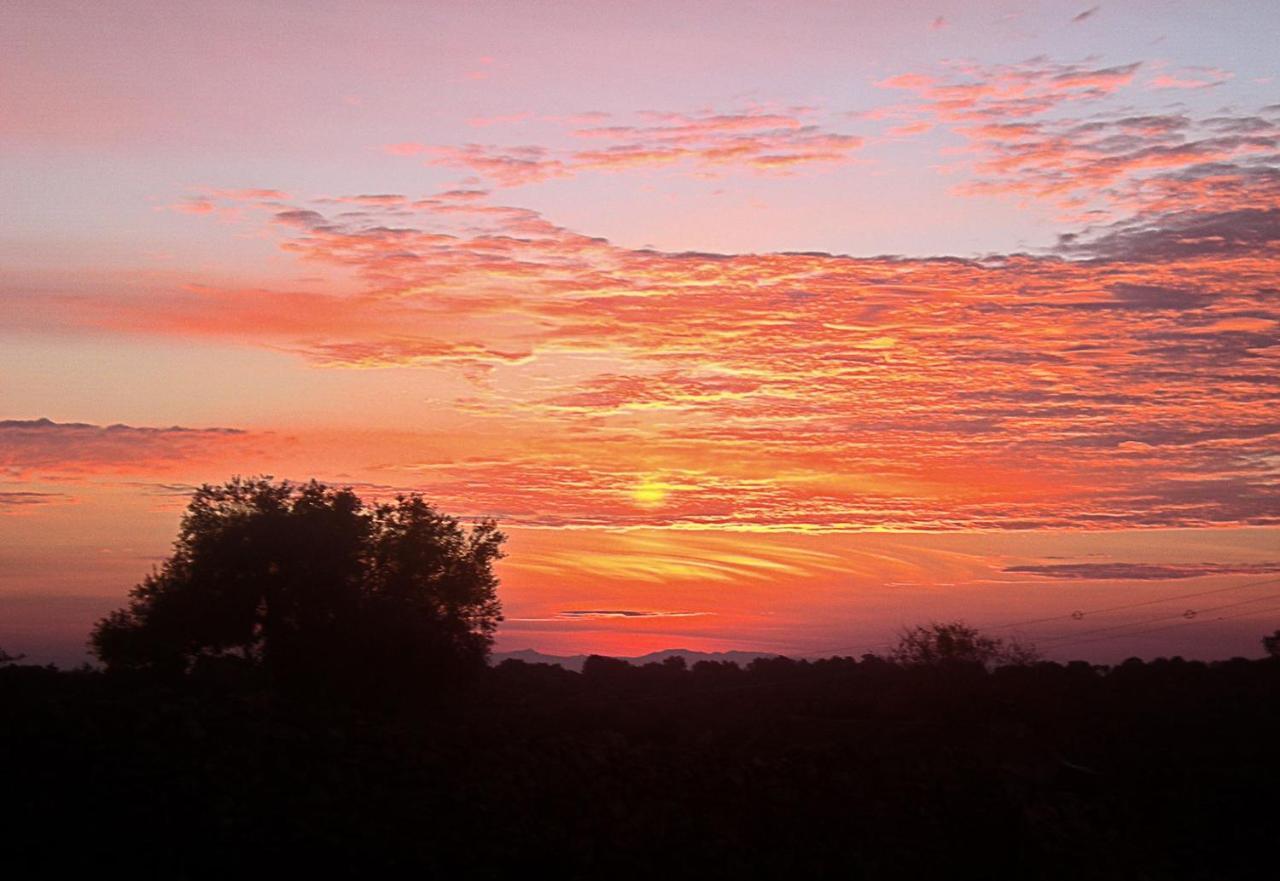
{"points": [[1168, 626], [1081, 614], [1189, 614]]}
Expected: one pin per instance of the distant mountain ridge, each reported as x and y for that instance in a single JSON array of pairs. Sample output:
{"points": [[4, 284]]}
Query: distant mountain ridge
{"points": [[575, 662]]}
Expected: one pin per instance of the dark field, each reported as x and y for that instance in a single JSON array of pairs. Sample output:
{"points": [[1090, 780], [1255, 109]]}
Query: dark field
{"points": [[833, 769]]}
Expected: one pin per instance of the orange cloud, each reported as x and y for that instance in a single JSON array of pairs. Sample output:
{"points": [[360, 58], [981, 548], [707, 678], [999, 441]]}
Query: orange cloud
{"points": [[1125, 381]]}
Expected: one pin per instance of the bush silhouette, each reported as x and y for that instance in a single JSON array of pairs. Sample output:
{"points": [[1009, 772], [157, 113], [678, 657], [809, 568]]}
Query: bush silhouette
{"points": [[953, 643], [314, 590]]}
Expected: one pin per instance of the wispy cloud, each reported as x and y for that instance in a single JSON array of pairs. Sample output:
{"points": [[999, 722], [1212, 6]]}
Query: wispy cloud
{"points": [[1193, 78], [1142, 571], [24, 500], [755, 140], [1043, 130], [612, 614]]}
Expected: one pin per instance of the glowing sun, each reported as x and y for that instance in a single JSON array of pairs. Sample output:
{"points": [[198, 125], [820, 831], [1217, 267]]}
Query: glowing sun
{"points": [[650, 493]]}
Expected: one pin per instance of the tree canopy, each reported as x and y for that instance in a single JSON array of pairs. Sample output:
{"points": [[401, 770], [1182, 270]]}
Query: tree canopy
{"points": [[941, 644], [315, 588]]}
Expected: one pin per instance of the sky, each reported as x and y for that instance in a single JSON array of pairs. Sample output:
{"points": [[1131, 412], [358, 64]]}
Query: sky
{"points": [[759, 326]]}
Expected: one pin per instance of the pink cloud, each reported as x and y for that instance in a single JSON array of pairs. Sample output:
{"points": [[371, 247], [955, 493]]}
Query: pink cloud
{"points": [[1191, 78], [193, 205], [405, 148], [511, 166], [911, 128], [967, 92], [757, 140], [204, 202], [1024, 142]]}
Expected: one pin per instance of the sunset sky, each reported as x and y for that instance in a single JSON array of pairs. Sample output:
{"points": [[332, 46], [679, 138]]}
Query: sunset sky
{"points": [[760, 326]]}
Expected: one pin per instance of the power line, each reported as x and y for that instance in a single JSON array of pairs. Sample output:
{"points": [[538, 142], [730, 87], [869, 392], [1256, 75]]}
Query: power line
{"points": [[1081, 613], [1189, 614], [1168, 626], [1078, 615]]}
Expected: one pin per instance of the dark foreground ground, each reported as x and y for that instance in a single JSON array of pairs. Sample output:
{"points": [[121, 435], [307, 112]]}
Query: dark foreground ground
{"points": [[836, 769]]}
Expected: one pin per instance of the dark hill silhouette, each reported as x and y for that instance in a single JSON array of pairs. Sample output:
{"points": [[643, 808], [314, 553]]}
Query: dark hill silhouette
{"points": [[575, 662]]}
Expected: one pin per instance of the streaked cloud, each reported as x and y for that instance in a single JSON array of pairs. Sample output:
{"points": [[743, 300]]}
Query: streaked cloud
{"points": [[1142, 571], [23, 500], [755, 140], [592, 615], [1193, 78]]}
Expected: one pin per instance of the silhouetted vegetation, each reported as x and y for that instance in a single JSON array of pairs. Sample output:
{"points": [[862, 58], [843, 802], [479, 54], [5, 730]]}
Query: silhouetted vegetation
{"points": [[313, 592], [955, 643], [202, 751], [839, 768]]}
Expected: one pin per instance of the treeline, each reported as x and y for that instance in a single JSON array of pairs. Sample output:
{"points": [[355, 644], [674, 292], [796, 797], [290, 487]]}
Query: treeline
{"points": [[301, 690], [843, 768]]}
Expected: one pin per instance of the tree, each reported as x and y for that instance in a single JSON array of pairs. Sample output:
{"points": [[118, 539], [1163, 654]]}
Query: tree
{"points": [[942, 644], [1272, 644], [314, 589]]}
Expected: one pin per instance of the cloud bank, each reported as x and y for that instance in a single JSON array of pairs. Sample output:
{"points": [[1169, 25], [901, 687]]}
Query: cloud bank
{"points": [[34, 449], [1126, 378]]}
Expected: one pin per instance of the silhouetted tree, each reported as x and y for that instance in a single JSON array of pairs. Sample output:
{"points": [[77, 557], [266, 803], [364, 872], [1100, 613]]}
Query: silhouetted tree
{"points": [[314, 588], [940, 644], [601, 668], [1272, 644]]}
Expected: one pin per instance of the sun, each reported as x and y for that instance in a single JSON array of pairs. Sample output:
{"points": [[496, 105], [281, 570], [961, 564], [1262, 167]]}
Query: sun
{"points": [[650, 493]]}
